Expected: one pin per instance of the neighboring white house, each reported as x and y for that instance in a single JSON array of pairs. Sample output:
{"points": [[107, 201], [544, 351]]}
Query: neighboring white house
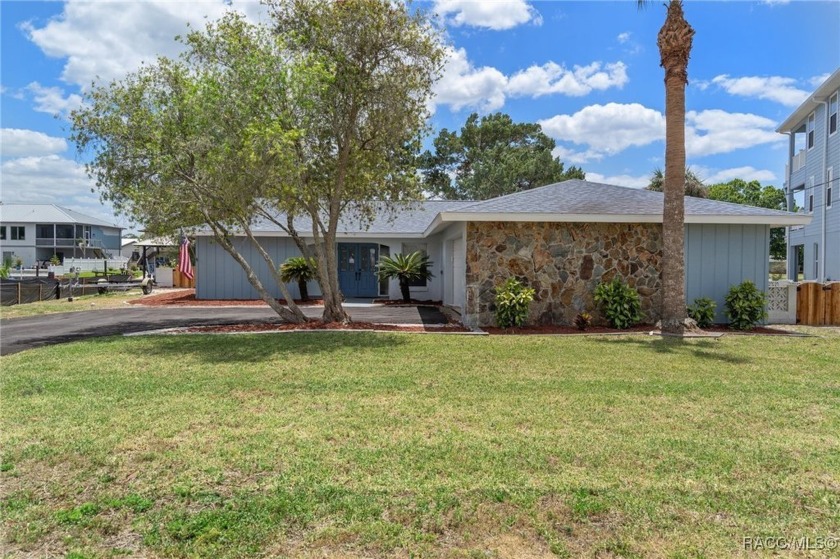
{"points": [[35, 232], [562, 239], [812, 183]]}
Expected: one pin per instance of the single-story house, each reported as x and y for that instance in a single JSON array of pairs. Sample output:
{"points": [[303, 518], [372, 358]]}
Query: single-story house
{"points": [[561, 239]]}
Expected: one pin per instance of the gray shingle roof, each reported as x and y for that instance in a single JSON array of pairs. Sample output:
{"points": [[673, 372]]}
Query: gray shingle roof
{"points": [[410, 219], [576, 199], [47, 213], [579, 197]]}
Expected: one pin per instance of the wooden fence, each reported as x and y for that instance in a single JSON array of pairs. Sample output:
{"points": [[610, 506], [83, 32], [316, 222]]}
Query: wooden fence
{"points": [[180, 280], [818, 304]]}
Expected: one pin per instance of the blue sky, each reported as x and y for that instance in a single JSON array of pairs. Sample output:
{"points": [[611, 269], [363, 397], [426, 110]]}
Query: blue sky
{"points": [[587, 71]]}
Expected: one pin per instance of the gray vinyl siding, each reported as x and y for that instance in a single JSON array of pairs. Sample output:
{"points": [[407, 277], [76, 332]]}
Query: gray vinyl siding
{"points": [[824, 155], [219, 276], [720, 256]]}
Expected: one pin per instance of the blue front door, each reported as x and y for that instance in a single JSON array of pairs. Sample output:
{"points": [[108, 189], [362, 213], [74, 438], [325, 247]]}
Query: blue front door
{"points": [[357, 269]]}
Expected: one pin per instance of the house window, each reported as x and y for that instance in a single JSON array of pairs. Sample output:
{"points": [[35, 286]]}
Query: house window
{"points": [[408, 249], [3, 233], [812, 121], [832, 114], [811, 203], [18, 233], [828, 186]]}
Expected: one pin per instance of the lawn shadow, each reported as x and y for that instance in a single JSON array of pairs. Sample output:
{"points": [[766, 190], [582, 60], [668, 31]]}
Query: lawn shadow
{"points": [[703, 348], [245, 348]]}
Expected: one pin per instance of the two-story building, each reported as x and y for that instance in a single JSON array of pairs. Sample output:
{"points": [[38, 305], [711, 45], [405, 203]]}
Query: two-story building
{"points": [[812, 183], [34, 233]]}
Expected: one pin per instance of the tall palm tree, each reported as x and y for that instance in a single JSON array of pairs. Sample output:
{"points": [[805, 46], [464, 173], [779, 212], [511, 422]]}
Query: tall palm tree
{"points": [[674, 42]]}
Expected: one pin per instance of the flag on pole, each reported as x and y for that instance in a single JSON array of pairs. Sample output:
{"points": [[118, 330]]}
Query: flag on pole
{"points": [[184, 264]]}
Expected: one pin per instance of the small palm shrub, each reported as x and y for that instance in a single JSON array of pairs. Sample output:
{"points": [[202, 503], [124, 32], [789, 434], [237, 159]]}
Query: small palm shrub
{"points": [[405, 268], [702, 311], [512, 303], [619, 302], [583, 321], [301, 270], [745, 306]]}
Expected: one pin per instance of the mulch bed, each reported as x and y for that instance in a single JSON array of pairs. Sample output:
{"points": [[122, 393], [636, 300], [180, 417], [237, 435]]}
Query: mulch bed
{"points": [[318, 325], [639, 328], [187, 298], [551, 329]]}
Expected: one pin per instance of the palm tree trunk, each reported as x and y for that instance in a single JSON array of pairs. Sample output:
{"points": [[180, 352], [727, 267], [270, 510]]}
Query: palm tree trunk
{"points": [[405, 290], [673, 215], [674, 41]]}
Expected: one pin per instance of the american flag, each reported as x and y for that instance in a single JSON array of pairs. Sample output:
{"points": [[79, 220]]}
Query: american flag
{"points": [[184, 264]]}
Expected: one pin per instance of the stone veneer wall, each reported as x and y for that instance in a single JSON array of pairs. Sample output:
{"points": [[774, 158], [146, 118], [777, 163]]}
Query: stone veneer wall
{"points": [[563, 262]]}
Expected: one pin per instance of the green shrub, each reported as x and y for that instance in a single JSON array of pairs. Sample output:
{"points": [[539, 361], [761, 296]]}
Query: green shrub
{"points": [[583, 321], [619, 302], [512, 303], [703, 311], [405, 268], [301, 270], [745, 306]]}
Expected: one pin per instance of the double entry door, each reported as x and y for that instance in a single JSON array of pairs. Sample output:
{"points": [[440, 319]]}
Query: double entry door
{"points": [[357, 269]]}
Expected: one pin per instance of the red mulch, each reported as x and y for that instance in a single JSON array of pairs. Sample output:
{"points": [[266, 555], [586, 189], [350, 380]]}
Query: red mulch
{"points": [[551, 329], [639, 328], [187, 298], [318, 325]]}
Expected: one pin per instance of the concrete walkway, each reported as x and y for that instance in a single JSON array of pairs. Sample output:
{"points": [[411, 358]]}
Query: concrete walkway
{"points": [[18, 334]]}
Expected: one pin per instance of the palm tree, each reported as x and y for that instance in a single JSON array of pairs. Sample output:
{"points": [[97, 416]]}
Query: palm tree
{"points": [[674, 42], [406, 268], [301, 270], [694, 187]]}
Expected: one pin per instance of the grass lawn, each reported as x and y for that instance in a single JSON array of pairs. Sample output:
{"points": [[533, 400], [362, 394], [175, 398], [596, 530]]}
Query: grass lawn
{"points": [[84, 303], [356, 444]]}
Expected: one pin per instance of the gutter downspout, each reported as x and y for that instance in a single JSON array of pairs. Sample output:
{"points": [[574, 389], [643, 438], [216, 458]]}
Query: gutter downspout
{"points": [[788, 199], [824, 209]]}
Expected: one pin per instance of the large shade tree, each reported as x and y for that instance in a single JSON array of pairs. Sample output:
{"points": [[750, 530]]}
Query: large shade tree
{"points": [[674, 41], [314, 116], [694, 186], [492, 156], [752, 193]]}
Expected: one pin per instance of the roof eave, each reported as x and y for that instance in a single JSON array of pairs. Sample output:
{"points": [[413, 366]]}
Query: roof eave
{"points": [[819, 95]]}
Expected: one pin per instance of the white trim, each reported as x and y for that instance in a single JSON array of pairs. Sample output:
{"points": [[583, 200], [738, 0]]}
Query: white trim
{"points": [[812, 116], [775, 220], [836, 98]]}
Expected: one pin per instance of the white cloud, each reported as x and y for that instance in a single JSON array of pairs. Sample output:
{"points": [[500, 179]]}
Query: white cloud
{"points": [[551, 78], [775, 2], [623, 37], [43, 179], [747, 173], [817, 81], [464, 85], [607, 129], [774, 88], [52, 100], [717, 131], [496, 14], [104, 40], [16, 142], [620, 180]]}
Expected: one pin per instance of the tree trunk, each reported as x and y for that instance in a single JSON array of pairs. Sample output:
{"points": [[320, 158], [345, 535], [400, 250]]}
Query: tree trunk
{"points": [[285, 313], [406, 292], [674, 43], [304, 292], [275, 273]]}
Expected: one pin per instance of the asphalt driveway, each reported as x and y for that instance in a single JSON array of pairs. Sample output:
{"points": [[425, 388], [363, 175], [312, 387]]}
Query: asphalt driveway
{"points": [[18, 334]]}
